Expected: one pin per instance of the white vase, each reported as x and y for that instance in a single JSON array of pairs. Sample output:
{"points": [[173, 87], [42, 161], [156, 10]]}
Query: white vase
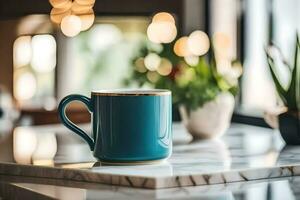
{"points": [[211, 120]]}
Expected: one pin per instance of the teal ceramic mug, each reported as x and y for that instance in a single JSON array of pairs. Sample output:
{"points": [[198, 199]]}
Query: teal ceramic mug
{"points": [[127, 125]]}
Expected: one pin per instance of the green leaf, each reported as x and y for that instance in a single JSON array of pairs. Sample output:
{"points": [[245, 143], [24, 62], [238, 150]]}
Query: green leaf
{"points": [[202, 69], [294, 83], [281, 91], [298, 79]]}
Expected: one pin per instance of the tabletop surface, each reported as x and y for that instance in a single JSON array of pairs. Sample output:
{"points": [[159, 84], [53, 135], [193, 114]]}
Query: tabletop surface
{"points": [[287, 188], [244, 153]]}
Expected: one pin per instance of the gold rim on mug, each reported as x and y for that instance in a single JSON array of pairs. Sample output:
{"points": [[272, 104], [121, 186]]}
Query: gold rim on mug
{"points": [[132, 92], [147, 162]]}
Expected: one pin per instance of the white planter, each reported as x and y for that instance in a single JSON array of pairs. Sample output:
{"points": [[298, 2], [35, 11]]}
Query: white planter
{"points": [[211, 120]]}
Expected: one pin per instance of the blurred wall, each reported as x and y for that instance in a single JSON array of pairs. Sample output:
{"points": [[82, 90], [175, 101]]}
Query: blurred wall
{"points": [[194, 16], [7, 37]]}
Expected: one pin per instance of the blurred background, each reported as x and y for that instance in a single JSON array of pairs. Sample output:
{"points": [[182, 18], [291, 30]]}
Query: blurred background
{"points": [[44, 56], [40, 65]]}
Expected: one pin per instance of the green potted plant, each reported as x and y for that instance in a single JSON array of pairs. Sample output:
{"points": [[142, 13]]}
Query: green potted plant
{"points": [[202, 88], [289, 120], [198, 70]]}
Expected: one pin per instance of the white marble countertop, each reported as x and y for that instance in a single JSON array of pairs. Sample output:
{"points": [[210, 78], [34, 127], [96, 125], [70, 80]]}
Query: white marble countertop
{"points": [[271, 189], [245, 153]]}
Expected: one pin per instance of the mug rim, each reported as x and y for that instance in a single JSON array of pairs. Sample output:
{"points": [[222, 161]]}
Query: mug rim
{"points": [[131, 92]]}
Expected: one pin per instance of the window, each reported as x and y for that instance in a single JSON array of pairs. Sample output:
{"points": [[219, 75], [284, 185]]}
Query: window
{"points": [[48, 67], [100, 57], [262, 21], [34, 59], [265, 20]]}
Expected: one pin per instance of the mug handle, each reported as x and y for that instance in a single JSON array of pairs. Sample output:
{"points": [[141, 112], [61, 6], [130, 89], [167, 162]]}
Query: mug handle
{"points": [[68, 123]]}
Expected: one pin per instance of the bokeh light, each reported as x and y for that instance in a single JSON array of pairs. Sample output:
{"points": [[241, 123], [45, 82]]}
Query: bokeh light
{"points": [[152, 61], [50, 103], [26, 86], [81, 9], [43, 53], [85, 2], [237, 69], [153, 33], [57, 14], [191, 60], [165, 67], [168, 32], [161, 32], [162, 29], [181, 47], [71, 25], [87, 20], [152, 76], [32, 147], [61, 3], [24, 144], [163, 17], [198, 43], [46, 148], [140, 66], [22, 51], [72, 15]]}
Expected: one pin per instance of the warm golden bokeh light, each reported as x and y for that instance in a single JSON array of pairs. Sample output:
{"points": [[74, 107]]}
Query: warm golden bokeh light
{"points": [[81, 9], [163, 17], [161, 32], [61, 3], [140, 66], [67, 12], [165, 67], [71, 25], [168, 32], [198, 43], [152, 76], [162, 28], [87, 20], [57, 14], [153, 33], [181, 47], [152, 61]]}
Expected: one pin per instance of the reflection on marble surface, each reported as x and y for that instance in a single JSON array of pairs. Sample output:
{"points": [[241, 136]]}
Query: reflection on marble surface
{"points": [[244, 153], [30, 146]]}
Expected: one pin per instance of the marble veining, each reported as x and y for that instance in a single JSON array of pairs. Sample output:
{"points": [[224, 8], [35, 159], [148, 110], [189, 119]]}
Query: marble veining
{"points": [[245, 153], [283, 188]]}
